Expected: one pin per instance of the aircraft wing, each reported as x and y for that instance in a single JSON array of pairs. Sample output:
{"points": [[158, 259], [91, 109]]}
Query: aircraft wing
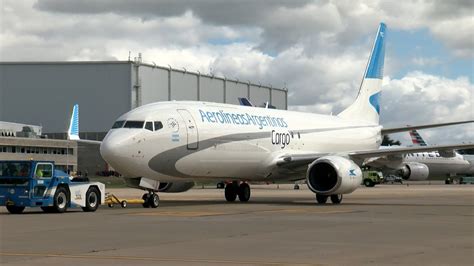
{"points": [[88, 141], [386, 131], [296, 160], [405, 150]]}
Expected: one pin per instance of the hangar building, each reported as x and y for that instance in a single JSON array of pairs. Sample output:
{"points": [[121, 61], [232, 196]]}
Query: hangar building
{"points": [[43, 93]]}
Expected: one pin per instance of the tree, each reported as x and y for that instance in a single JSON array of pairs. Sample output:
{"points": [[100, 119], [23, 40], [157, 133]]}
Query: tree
{"points": [[387, 141]]}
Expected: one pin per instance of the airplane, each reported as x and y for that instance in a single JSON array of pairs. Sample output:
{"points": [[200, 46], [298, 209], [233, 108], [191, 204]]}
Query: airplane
{"points": [[167, 146], [445, 164]]}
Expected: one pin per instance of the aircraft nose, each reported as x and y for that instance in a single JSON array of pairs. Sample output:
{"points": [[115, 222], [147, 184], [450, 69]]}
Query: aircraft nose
{"points": [[112, 150]]}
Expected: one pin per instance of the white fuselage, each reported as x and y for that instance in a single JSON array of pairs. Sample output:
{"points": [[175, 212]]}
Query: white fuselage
{"points": [[201, 140], [438, 165]]}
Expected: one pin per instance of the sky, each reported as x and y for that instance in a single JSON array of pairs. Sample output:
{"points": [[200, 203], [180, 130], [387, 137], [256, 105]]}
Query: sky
{"points": [[318, 50]]}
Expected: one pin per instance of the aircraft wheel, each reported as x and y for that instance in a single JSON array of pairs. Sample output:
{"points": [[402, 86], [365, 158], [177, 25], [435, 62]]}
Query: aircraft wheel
{"points": [[244, 192], [154, 200], [15, 209], [336, 199], [231, 192], [321, 199], [146, 201]]}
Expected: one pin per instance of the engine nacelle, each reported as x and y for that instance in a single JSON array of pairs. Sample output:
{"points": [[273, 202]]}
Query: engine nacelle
{"points": [[331, 175], [175, 187], [414, 171]]}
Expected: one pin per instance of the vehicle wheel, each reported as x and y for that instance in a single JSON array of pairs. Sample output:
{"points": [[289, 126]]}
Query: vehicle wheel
{"points": [[15, 209], [146, 201], [321, 199], [60, 200], [111, 205], [296, 187], [154, 200], [336, 199], [92, 200], [368, 183], [220, 185], [244, 192], [230, 192]]}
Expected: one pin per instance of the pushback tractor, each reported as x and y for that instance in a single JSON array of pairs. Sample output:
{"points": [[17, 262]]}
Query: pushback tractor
{"points": [[39, 184]]}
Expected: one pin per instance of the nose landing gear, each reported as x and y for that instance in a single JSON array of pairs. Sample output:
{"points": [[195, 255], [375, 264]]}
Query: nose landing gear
{"points": [[151, 200]]}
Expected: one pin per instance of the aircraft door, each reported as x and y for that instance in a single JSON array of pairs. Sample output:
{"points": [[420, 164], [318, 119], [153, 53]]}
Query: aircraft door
{"points": [[191, 129]]}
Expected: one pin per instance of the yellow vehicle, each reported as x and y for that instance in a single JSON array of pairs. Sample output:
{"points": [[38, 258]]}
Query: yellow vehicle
{"points": [[371, 178]]}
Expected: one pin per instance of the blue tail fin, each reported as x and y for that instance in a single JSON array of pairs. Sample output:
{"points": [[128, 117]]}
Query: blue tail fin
{"points": [[73, 131], [367, 105], [245, 102]]}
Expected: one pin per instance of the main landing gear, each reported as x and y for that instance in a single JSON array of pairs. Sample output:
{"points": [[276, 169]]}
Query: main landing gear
{"points": [[335, 199], [232, 190], [151, 200]]}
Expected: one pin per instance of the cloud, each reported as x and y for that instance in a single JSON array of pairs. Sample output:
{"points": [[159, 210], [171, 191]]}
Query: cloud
{"points": [[425, 61], [316, 49], [313, 24], [420, 98]]}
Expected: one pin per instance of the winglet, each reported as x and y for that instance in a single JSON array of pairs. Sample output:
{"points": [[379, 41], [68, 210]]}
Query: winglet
{"points": [[73, 131]]}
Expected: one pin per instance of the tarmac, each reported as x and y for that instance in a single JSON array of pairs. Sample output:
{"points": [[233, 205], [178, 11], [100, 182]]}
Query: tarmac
{"points": [[385, 225]]}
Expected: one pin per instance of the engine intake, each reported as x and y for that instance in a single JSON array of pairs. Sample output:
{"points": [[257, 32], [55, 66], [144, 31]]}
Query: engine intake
{"points": [[331, 175]]}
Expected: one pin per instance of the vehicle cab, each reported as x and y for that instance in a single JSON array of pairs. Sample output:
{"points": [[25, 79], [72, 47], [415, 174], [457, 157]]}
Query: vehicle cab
{"points": [[24, 183]]}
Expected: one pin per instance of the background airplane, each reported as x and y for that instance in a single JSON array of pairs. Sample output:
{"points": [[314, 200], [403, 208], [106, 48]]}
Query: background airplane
{"points": [[418, 166]]}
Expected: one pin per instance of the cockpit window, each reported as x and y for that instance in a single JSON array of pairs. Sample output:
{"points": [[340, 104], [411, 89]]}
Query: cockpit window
{"points": [[118, 124], [158, 125], [149, 126], [134, 124]]}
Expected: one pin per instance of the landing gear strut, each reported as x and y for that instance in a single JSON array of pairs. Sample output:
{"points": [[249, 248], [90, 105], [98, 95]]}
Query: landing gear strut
{"points": [[335, 199], [232, 190], [151, 200]]}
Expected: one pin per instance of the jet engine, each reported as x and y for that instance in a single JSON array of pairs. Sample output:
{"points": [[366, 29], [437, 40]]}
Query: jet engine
{"points": [[414, 171], [331, 175], [175, 187]]}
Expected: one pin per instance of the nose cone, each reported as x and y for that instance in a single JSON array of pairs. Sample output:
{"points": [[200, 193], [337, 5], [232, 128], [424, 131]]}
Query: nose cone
{"points": [[113, 149]]}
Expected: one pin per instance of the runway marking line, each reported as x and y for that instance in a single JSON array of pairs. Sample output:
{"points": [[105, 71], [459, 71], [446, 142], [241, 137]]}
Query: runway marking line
{"points": [[205, 213], [178, 214], [311, 211], [138, 258]]}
